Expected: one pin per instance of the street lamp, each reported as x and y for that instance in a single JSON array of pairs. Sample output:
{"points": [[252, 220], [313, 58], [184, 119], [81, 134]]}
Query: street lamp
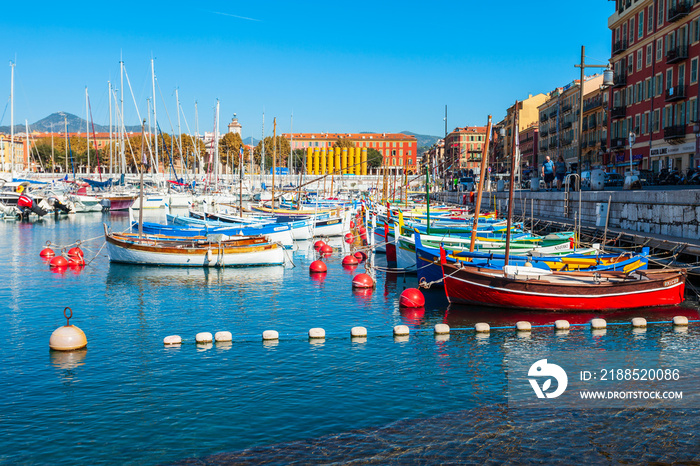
{"points": [[632, 180], [607, 81]]}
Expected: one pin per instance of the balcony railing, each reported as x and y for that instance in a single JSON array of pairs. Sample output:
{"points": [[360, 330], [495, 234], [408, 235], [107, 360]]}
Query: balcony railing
{"points": [[544, 133], [619, 46], [619, 80], [553, 112], [674, 132], [566, 107], [617, 143], [592, 104], [553, 143], [566, 141], [676, 54], [618, 112], [566, 124], [544, 117], [675, 93], [584, 144], [679, 11]]}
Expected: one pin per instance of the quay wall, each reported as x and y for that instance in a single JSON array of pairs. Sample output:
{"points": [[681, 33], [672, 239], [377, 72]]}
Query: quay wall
{"points": [[673, 213]]}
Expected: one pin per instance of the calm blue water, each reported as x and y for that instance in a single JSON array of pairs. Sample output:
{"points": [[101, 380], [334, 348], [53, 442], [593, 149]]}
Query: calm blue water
{"points": [[129, 400]]}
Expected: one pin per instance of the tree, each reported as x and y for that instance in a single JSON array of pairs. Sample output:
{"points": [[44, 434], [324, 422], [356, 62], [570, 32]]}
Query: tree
{"points": [[298, 160], [229, 149], [283, 149], [374, 158], [343, 143]]}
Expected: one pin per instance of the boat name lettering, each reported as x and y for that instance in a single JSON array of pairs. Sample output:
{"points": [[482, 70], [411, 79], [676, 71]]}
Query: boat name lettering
{"points": [[671, 282]]}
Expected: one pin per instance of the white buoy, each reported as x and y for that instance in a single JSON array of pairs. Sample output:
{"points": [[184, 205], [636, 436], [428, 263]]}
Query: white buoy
{"points": [[639, 322], [523, 326], [223, 336], [562, 324], [204, 337], [172, 340], [598, 323], [401, 330], [442, 329], [317, 333], [271, 335], [69, 337], [680, 321], [482, 327], [358, 332]]}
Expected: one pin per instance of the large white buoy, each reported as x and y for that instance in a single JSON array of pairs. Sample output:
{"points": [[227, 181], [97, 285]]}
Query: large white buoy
{"points": [[204, 337], [523, 326], [561, 324], [270, 335], [639, 322], [69, 337], [401, 330], [358, 332]]}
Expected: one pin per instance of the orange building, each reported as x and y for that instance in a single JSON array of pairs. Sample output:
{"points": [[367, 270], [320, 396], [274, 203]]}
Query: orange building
{"points": [[398, 150]]}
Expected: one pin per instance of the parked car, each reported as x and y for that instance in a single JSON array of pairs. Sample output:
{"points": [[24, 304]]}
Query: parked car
{"points": [[614, 179]]}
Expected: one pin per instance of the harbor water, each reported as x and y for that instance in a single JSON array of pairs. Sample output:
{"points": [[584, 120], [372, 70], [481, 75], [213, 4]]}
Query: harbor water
{"points": [[128, 399]]}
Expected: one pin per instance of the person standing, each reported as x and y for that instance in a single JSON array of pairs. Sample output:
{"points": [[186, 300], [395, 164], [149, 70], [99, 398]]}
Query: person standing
{"points": [[560, 169], [548, 173]]}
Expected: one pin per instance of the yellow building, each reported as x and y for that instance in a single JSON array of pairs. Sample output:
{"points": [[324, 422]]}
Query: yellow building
{"points": [[528, 115]]}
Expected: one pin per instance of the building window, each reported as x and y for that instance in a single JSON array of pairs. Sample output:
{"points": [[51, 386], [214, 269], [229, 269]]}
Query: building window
{"points": [[640, 97], [639, 59], [658, 84], [669, 78], [630, 64], [631, 30], [659, 49], [649, 52], [643, 128], [650, 19], [656, 120], [660, 13], [649, 90], [636, 124], [694, 70], [681, 74], [695, 31], [410, 161], [692, 111], [640, 24]]}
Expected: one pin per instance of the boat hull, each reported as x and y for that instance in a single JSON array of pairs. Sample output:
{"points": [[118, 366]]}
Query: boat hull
{"points": [[472, 285]]}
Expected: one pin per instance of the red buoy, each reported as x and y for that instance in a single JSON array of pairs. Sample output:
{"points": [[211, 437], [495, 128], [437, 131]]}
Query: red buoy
{"points": [[318, 267], [361, 256], [58, 261], [75, 252], [350, 260], [349, 238], [362, 230], [362, 280], [318, 244], [412, 297], [352, 224], [326, 250], [76, 261], [47, 252]]}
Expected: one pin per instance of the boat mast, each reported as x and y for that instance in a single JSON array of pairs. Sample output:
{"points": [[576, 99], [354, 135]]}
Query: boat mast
{"points": [[262, 157], [196, 137], [155, 114], [12, 119], [143, 169], [121, 127], [87, 130], [512, 179], [274, 158], [179, 129], [482, 174], [111, 149], [216, 148]]}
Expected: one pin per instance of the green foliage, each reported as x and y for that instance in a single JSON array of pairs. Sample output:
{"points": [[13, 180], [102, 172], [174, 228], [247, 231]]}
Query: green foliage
{"points": [[229, 149], [282, 150], [343, 143], [374, 158]]}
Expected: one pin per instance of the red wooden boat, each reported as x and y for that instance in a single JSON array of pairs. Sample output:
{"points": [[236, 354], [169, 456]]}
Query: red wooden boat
{"points": [[529, 288]]}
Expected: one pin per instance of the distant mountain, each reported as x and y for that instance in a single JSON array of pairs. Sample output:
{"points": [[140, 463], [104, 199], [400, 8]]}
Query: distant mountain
{"points": [[251, 141], [55, 122], [424, 141]]}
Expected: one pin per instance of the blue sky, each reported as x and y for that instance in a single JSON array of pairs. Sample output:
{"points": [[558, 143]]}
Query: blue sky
{"points": [[337, 66]]}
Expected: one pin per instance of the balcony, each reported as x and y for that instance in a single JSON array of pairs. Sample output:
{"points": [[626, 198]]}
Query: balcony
{"points": [[553, 143], [544, 133], [674, 132], [584, 144], [618, 112], [566, 108], [544, 117], [566, 124], [617, 143], [679, 11], [566, 141], [619, 80], [553, 112], [619, 46], [676, 54], [675, 93], [590, 105]]}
